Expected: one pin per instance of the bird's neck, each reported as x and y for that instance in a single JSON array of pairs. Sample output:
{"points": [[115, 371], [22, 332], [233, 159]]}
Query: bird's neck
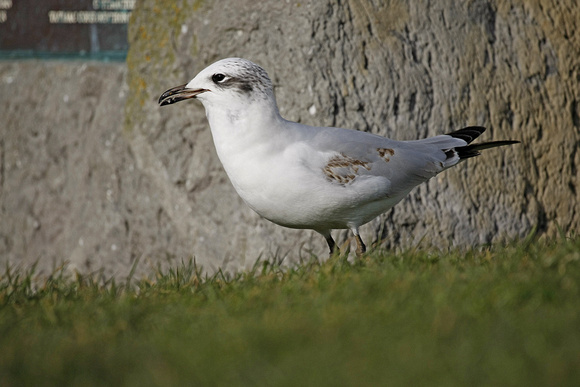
{"points": [[238, 133], [240, 125]]}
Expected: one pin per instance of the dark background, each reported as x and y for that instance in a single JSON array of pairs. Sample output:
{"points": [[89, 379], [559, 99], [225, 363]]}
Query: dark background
{"points": [[27, 32]]}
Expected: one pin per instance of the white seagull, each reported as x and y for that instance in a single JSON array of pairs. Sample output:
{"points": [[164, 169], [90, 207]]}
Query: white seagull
{"points": [[307, 177]]}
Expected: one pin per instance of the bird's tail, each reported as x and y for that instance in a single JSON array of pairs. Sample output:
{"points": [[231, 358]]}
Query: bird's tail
{"points": [[469, 134]]}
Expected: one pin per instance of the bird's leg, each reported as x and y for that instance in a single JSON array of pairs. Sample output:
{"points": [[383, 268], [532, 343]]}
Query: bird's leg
{"points": [[360, 246], [331, 244]]}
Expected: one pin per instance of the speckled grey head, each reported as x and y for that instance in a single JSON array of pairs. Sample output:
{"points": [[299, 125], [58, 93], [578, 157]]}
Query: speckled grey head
{"points": [[227, 77], [240, 75]]}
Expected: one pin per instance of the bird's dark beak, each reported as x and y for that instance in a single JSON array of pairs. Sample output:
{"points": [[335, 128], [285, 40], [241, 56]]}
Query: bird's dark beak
{"points": [[179, 93]]}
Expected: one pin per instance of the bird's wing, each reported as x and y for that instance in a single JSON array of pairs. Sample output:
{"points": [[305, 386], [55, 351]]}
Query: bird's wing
{"points": [[351, 157]]}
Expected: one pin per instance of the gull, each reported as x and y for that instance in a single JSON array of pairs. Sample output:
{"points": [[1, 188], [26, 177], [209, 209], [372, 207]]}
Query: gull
{"points": [[307, 177]]}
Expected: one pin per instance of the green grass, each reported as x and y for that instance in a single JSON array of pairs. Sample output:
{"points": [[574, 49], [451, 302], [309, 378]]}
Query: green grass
{"points": [[492, 316]]}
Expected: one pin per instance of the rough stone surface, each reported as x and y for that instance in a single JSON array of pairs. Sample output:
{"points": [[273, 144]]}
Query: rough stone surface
{"points": [[79, 184], [63, 163]]}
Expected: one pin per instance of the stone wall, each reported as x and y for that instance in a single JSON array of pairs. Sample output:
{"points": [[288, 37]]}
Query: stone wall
{"points": [[62, 156], [86, 182]]}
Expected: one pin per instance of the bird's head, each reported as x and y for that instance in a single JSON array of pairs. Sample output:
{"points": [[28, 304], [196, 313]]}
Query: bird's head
{"points": [[226, 82]]}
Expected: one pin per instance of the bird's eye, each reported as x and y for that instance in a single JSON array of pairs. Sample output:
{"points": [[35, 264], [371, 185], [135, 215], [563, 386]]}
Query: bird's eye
{"points": [[217, 78]]}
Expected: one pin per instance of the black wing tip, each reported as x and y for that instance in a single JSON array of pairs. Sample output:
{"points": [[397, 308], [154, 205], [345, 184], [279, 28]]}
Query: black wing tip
{"points": [[465, 152], [468, 134]]}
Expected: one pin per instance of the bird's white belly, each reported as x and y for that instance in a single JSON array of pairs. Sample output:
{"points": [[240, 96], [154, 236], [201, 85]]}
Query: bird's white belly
{"points": [[299, 197], [290, 208]]}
